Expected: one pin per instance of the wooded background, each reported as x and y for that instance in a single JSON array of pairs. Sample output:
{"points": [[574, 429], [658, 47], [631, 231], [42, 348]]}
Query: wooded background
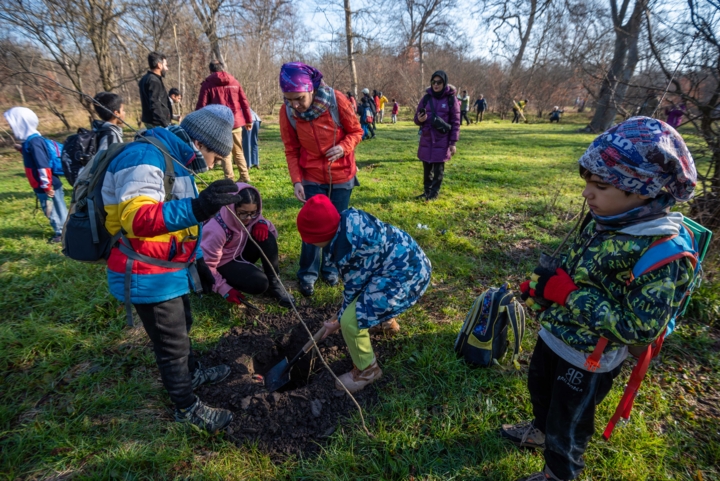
{"points": [[616, 58]]}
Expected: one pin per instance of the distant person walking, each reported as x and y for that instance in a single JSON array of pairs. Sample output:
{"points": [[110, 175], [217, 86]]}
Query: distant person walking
{"points": [[353, 102], [154, 99], [223, 89], [176, 103], [518, 108], [675, 115], [367, 111], [320, 131], [480, 108], [438, 115], [250, 142], [395, 110], [464, 107], [382, 100], [41, 159]]}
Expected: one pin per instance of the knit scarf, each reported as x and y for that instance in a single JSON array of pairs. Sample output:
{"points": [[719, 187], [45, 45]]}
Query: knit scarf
{"points": [[655, 209], [320, 103]]}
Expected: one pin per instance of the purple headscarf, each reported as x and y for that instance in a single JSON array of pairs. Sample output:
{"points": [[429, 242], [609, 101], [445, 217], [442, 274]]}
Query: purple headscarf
{"points": [[299, 77]]}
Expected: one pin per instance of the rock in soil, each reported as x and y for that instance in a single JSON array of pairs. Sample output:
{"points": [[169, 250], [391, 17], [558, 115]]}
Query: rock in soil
{"points": [[298, 418]]}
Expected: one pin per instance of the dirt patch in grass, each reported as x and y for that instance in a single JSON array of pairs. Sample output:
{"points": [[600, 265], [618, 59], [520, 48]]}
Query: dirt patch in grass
{"points": [[298, 418]]}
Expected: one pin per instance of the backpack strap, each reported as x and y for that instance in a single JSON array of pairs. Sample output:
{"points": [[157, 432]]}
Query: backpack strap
{"points": [[169, 175], [516, 315], [666, 250], [228, 233], [132, 256]]}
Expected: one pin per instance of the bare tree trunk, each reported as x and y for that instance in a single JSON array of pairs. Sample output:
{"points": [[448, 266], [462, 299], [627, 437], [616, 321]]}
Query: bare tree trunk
{"points": [[625, 58], [350, 53], [422, 61], [22, 94]]}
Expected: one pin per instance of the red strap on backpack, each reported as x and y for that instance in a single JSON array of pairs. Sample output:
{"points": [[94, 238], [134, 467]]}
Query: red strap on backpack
{"points": [[633, 386], [592, 363]]}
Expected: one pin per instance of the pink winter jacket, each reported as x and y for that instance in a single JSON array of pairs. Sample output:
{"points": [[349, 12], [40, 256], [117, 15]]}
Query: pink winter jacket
{"points": [[220, 247]]}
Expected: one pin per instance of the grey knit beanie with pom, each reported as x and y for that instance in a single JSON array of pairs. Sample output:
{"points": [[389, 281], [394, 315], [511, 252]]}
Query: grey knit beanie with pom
{"points": [[211, 126]]}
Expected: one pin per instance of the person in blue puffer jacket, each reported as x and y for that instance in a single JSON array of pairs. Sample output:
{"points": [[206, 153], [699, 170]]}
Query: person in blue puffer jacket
{"points": [[384, 273]]}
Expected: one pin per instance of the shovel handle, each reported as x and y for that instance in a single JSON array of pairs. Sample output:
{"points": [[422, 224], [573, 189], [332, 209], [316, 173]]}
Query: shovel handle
{"points": [[308, 345]]}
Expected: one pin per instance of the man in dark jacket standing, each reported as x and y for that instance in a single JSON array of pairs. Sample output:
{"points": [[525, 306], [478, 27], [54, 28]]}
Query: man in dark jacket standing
{"points": [[156, 107], [223, 89]]}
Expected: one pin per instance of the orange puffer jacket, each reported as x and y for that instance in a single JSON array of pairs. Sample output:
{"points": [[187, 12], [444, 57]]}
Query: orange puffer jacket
{"points": [[305, 147]]}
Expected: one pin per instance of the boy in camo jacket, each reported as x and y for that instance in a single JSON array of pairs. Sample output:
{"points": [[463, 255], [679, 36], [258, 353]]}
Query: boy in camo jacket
{"points": [[593, 293]]}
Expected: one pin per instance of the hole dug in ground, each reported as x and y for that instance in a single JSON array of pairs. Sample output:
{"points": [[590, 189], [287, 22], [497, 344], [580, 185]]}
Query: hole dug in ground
{"points": [[299, 417]]}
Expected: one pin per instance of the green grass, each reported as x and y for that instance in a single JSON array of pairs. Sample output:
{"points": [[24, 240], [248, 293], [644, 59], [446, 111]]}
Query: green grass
{"points": [[80, 394]]}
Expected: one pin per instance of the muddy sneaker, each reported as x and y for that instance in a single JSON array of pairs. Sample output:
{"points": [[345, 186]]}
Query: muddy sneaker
{"points": [[210, 375], [204, 417], [356, 379], [389, 328], [523, 434]]}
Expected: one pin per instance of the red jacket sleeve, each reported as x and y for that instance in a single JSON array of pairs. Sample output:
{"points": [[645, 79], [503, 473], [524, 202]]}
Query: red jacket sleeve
{"points": [[292, 146], [244, 105], [350, 123]]}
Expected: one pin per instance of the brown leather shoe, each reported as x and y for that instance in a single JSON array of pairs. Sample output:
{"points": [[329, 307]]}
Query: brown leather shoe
{"points": [[389, 328], [356, 379]]}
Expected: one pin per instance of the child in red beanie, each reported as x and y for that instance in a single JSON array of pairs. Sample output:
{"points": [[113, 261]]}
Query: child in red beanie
{"points": [[384, 273]]}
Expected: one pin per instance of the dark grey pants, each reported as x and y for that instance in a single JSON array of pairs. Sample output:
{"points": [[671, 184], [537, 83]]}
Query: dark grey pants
{"points": [[168, 325], [433, 173], [564, 398]]}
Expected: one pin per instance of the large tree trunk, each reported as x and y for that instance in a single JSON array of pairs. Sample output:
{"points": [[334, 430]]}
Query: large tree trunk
{"points": [[625, 58], [350, 53]]}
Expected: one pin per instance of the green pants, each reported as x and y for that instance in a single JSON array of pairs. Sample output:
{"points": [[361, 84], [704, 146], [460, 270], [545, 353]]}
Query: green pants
{"points": [[357, 340]]}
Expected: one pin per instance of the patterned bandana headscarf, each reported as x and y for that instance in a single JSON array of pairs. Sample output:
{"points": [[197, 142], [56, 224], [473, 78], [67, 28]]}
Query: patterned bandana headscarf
{"points": [[298, 77], [643, 155]]}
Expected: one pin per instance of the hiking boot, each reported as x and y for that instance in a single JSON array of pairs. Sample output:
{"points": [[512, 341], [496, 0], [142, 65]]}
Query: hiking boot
{"points": [[356, 379], [422, 196], [544, 475], [523, 434], [332, 281], [204, 417], [277, 292], [307, 290], [211, 375], [389, 328]]}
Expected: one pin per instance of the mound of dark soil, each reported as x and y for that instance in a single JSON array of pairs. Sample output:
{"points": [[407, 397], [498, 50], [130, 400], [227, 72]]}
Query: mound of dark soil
{"points": [[299, 417]]}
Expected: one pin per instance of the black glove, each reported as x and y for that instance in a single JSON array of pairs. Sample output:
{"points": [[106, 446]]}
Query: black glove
{"points": [[216, 195], [206, 276]]}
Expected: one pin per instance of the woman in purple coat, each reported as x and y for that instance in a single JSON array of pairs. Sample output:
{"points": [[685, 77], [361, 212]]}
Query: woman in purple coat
{"points": [[437, 136]]}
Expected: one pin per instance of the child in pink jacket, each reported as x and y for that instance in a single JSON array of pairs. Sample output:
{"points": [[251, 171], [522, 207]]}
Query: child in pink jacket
{"points": [[231, 256]]}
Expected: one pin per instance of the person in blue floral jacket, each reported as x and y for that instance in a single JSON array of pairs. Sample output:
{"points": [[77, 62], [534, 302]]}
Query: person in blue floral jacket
{"points": [[384, 273]]}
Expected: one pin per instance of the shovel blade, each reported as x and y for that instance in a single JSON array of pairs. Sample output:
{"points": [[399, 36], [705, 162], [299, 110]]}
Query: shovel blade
{"points": [[278, 376]]}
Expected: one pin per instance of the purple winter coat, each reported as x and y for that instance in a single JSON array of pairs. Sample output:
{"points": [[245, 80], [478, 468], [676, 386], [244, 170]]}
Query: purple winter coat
{"points": [[434, 146]]}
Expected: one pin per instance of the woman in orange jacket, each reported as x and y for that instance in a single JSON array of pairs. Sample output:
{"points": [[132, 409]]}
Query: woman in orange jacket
{"points": [[320, 131]]}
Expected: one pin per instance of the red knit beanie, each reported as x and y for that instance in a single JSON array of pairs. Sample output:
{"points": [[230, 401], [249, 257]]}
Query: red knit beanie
{"points": [[318, 220]]}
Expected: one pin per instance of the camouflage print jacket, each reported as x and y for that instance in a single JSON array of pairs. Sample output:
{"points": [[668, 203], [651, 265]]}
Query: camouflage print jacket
{"points": [[608, 303]]}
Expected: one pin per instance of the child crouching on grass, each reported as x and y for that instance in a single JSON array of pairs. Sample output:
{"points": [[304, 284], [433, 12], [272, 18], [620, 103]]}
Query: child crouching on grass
{"points": [[384, 273], [593, 295]]}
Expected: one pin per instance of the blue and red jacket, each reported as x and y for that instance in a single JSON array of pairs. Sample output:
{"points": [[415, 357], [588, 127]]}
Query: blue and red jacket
{"points": [[37, 166], [134, 196]]}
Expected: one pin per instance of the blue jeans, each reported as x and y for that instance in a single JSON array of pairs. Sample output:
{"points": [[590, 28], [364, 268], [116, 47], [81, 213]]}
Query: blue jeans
{"points": [[311, 262], [56, 212]]}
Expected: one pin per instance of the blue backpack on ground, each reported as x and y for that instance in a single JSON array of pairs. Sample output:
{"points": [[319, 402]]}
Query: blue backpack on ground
{"points": [[54, 151]]}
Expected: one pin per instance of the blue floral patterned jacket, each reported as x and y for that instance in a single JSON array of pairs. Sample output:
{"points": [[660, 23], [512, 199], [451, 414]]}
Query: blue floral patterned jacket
{"points": [[381, 265]]}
